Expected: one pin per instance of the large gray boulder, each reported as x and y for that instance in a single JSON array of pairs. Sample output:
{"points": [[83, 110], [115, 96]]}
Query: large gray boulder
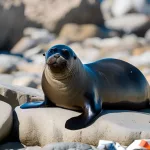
{"points": [[5, 120], [119, 126], [18, 14]]}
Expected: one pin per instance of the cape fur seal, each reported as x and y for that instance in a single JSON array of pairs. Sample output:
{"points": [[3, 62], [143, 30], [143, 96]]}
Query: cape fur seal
{"points": [[106, 83]]}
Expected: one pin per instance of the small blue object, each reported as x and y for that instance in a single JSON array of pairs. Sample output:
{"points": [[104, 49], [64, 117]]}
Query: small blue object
{"points": [[32, 104]]}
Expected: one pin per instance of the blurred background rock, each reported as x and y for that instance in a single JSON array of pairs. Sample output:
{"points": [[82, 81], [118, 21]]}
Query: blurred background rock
{"points": [[94, 29]]}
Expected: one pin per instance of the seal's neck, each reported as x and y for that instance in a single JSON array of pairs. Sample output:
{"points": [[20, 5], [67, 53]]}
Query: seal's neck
{"points": [[72, 72]]}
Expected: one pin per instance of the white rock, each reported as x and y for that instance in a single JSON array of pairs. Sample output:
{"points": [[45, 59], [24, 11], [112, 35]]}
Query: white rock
{"points": [[140, 60], [33, 51], [8, 62], [85, 54], [142, 6], [38, 59], [40, 35], [23, 44], [26, 81], [121, 7], [102, 43], [6, 78], [128, 23]]}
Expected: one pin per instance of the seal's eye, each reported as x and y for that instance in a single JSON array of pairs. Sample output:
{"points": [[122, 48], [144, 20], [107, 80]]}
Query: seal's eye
{"points": [[65, 52], [53, 50], [43, 54]]}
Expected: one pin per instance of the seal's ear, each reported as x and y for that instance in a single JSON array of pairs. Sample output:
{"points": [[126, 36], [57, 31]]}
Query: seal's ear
{"points": [[43, 54], [75, 57]]}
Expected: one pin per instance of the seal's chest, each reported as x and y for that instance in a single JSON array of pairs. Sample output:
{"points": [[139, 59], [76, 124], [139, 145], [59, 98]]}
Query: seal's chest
{"points": [[64, 96]]}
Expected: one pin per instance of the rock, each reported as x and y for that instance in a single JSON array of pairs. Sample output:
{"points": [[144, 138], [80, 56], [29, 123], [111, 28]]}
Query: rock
{"points": [[33, 13], [147, 36], [107, 43], [124, 55], [119, 126], [106, 8], [38, 59], [130, 23], [31, 67], [140, 60], [43, 12], [67, 146], [16, 95], [8, 63], [130, 42], [23, 44], [33, 51], [33, 37], [76, 33], [26, 81], [40, 35], [121, 7], [12, 146], [142, 6], [6, 78], [20, 74], [5, 120], [140, 50], [83, 53], [146, 71]]}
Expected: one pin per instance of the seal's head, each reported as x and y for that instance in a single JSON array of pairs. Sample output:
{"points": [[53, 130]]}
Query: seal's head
{"points": [[59, 58]]}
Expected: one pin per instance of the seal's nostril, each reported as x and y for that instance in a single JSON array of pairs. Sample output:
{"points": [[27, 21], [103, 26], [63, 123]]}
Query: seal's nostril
{"points": [[56, 55]]}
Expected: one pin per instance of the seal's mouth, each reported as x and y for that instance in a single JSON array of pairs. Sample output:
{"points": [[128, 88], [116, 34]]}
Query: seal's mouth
{"points": [[57, 64]]}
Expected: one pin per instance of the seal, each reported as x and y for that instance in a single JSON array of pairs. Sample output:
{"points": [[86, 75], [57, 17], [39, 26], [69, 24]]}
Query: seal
{"points": [[107, 83]]}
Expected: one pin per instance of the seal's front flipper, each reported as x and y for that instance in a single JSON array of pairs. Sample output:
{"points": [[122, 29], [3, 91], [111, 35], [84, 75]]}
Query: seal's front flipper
{"points": [[35, 104], [85, 119]]}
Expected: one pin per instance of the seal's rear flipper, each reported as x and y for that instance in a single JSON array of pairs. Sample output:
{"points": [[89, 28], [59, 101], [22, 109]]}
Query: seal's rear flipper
{"points": [[89, 116], [81, 121], [35, 104]]}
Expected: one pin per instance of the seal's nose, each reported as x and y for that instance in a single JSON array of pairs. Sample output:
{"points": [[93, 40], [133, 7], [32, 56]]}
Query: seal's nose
{"points": [[56, 55]]}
